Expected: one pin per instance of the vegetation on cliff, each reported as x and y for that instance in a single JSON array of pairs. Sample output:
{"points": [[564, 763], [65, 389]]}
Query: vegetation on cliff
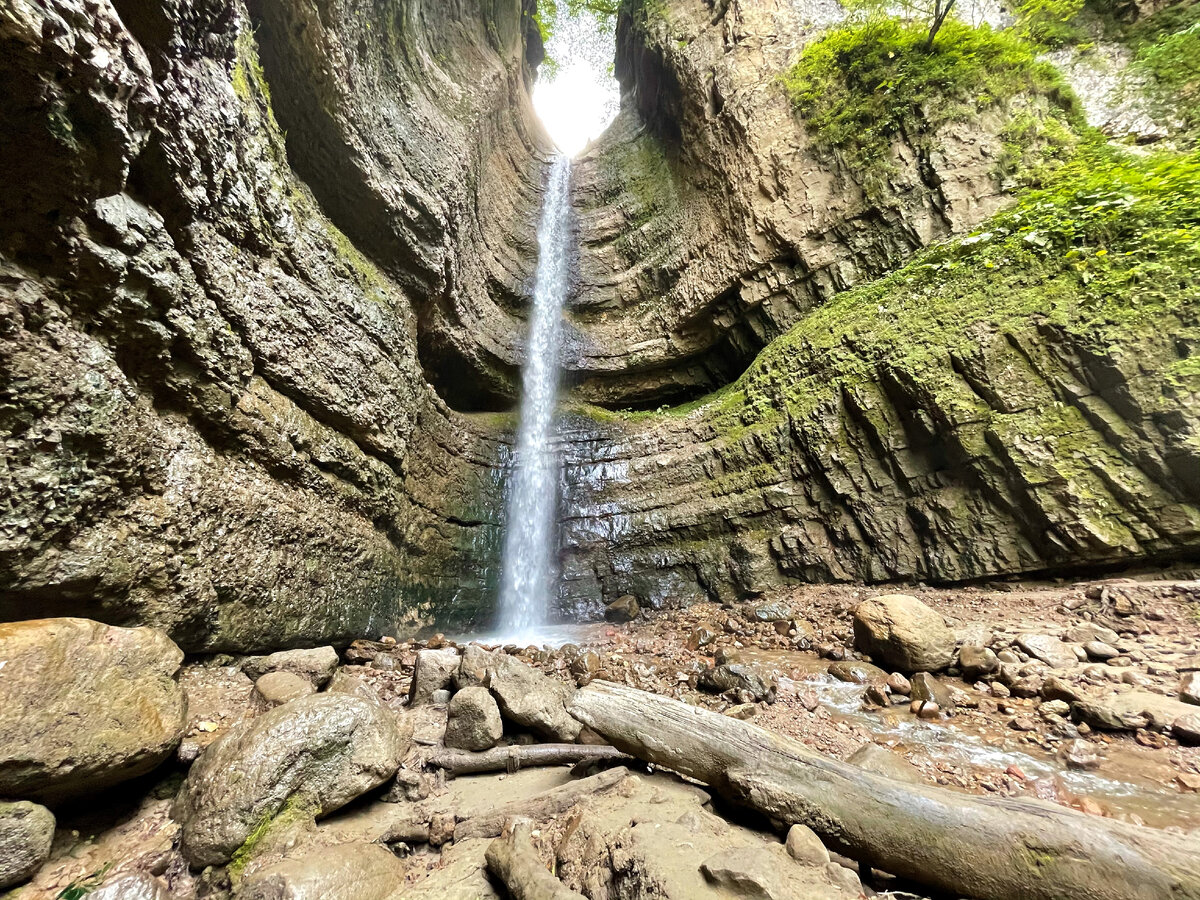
{"points": [[862, 86]]}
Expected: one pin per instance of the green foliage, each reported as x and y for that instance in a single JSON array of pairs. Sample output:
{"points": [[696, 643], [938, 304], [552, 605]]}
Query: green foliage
{"points": [[931, 14], [1050, 23], [1109, 250], [248, 72], [862, 85], [1167, 48], [81, 887]]}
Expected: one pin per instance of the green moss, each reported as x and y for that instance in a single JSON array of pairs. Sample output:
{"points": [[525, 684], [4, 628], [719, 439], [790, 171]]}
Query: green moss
{"points": [[248, 76], [1050, 23], [373, 284], [296, 809], [1167, 55], [865, 84]]}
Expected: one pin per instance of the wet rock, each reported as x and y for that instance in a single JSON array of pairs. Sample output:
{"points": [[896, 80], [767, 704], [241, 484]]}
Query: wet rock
{"points": [[736, 678], [26, 833], [898, 684], [877, 695], [277, 688], [133, 886], [1050, 650], [434, 671], [977, 662], [887, 763], [805, 847], [701, 636], [343, 682], [1189, 688], [903, 633], [623, 609], [532, 700], [585, 666], [84, 705], [773, 611], [315, 665], [927, 688], [305, 758], [1079, 754], [857, 672], [342, 872], [926, 709], [1186, 728], [474, 722], [1100, 651], [1130, 711]]}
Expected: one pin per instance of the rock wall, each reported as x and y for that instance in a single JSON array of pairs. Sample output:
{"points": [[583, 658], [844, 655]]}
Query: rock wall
{"points": [[231, 237]]}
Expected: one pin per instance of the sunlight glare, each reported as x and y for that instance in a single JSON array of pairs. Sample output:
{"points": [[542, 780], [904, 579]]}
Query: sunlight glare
{"points": [[581, 98]]}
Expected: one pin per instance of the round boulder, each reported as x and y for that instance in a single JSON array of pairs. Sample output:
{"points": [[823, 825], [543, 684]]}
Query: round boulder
{"points": [[474, 720], [903, 633], [307, 758], [26, 832], [84, 705]]}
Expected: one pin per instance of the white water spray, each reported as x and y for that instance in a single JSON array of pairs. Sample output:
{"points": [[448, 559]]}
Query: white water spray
{"points": [[529, 568]]}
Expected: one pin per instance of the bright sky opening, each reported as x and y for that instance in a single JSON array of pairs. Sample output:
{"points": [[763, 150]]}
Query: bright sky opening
{"points": [[578, 101]]}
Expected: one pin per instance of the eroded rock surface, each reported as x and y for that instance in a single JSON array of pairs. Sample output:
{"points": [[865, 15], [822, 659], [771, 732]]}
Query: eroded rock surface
{"points": [[26, 833]]}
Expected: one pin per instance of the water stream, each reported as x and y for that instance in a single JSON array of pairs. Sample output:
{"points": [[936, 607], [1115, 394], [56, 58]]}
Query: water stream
{"points": [[529, 570]]}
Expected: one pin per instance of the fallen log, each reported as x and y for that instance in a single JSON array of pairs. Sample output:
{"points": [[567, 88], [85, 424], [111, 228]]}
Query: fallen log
{"points": [[512, 759], [512, 859], [981, 847], [540, 806]]}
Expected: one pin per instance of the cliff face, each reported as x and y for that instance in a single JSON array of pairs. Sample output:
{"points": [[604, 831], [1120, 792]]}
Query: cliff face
{"points": [[213, 392], [263, 269]]}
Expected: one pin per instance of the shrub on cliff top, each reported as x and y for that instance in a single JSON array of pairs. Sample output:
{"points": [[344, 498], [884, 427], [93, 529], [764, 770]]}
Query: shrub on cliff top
{"points": [[864, 84]]}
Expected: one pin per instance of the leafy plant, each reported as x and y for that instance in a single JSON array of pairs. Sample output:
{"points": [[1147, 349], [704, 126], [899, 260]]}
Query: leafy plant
{"points": [[930, 13], [81, 887], [1050, 23]]}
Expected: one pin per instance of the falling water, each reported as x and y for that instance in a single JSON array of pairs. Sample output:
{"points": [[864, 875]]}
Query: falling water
{"points": [[530, 536]]}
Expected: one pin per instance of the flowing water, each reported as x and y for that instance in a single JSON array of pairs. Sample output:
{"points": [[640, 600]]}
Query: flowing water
{"points": [[529, 578]]}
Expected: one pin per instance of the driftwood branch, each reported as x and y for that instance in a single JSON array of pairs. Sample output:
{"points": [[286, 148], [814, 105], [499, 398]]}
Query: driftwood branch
{"points": [[987, 848], [540, 806], [512, 859], [511, 759]]}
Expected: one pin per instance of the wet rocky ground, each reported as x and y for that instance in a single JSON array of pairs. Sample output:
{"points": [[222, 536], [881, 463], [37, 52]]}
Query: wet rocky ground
{"points": [[325, 773]]}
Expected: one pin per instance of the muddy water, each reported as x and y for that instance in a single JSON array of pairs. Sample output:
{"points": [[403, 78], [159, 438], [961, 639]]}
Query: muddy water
{"points": [[1125, 785]]}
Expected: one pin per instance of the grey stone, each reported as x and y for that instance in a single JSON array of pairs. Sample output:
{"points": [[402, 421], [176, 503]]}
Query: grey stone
{"points": [[315, 665], [927, 688], [473, 667], [1050, 650], [1100, 651], [857, 672], [805, 847], [276, 688], [474, 721], [903, 633], [341, 872], [623, 609], [736, 677], [1085, 632], [977, 662], [26, 833], [532, 700], [84, 706], [305, 758], [1186, 728], [1130, 711], [434, 671]]}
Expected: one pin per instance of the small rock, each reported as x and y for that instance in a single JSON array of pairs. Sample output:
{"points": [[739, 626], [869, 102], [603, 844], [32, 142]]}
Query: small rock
{"points": [[623, 609], [1054, 708], [898, 684], [701, 636], [134, 886], [1100, 651], [1022, 723], [926, 709], [434, 671], [742, 711], [1055, 688], [26, 833], [1050, 650], [1085, 632], [1186, 729], [773, 611], [473, 668], [927, 688], [1027, 687], [585, 667], [341, 872], [474, 720], [844, 878], [805, 847], [315, 665], [1079, 754], [1151, 739], [725, 678], [976, 662], [277, 688], [857, 672], [1189, 688]]}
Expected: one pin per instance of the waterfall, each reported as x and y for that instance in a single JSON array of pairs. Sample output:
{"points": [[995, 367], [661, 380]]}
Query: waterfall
{"points": [[529, 566]]}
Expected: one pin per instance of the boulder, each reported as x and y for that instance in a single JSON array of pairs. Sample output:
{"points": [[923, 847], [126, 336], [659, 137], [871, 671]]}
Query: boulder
{"points": [[341, 872], [277, 688], [928, 689], [1130, 711], [1050, 650], [26, 833], [977, 662], [315, 665], [84, 705], [857, 672], [474, 721], [735, 678], [1189, 688], [623, 609], [305, 758], [532, 700], [473, 667], [903, 633], [133, 886], [1186, 728], [434, 671]]}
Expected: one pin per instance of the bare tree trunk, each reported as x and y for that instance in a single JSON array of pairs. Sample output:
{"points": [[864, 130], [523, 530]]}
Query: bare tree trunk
{"points": [[511, 759], [939, 18], [987, 848], [512, 859]]}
